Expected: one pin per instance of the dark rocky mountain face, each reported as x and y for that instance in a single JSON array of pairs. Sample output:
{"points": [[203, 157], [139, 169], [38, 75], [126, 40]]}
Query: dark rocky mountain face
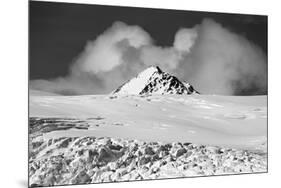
{"points": [[165, 83]]}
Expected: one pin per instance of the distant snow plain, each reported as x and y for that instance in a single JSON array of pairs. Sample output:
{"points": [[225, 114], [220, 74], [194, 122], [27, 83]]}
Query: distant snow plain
{"points": [[227, 121]]}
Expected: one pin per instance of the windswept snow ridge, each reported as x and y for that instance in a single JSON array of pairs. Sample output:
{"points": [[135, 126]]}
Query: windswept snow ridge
{"points": [[154, 81]]}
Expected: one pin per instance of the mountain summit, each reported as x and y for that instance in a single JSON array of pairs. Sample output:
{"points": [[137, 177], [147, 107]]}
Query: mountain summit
{"points": [[154, 81]]}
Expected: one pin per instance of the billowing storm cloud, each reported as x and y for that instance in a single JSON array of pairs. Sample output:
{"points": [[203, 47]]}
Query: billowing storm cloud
{"points": [[213, 59]]}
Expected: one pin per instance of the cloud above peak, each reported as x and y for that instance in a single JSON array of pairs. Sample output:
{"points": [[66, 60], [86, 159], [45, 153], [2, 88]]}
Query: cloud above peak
{"points": [[105, 53], [213, 59]]}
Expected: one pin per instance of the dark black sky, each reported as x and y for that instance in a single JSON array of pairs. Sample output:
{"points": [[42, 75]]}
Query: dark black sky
{"points": [[58, 32]]}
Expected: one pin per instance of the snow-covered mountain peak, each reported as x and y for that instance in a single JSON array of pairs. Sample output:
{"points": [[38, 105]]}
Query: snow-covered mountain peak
{"points": [[154, 81], [136, 84], [147, 73]]}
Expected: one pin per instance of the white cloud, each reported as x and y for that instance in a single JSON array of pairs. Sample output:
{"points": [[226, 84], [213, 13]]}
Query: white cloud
{"points": [[213, 59]]}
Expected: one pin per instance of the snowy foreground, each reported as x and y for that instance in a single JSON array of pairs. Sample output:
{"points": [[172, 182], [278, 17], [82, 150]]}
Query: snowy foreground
{"points": [[91, 139]]}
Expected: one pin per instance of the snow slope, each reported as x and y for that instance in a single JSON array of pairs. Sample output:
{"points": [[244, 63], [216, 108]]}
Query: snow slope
{"points": [[232, 121], [136, 85]]}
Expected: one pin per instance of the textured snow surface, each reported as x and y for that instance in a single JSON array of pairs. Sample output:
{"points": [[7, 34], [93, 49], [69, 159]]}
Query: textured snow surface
{"points": [[234, 121], [98, 138], [78, 160]]}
